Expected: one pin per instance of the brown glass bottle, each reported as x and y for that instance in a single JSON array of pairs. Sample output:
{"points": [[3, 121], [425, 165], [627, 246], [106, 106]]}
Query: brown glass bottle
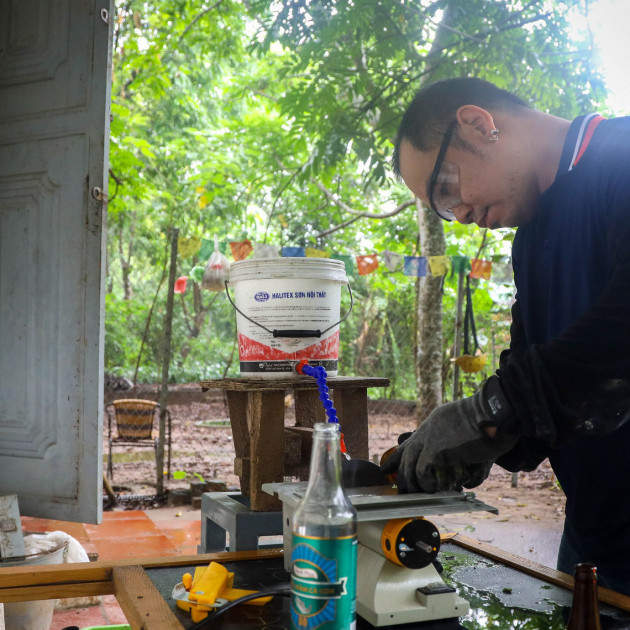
{"points": [[585, 608]]}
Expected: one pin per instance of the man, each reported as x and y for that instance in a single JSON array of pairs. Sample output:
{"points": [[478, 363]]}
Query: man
{"points": [[478, 154]]}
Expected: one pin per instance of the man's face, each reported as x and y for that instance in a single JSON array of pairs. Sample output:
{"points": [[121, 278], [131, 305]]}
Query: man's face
{"points": [[483, 187]]}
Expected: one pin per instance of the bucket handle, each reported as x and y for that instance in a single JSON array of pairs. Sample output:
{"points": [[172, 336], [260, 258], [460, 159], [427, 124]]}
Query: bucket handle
{"points": [[291, 333]]}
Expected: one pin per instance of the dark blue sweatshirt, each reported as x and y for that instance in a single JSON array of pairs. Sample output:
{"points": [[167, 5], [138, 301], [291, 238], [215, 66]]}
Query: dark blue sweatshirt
{"points": [[567, 372]]}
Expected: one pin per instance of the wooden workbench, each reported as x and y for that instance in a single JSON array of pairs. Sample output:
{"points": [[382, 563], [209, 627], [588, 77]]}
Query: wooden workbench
{"points": [[266, 450], [133, 583]]}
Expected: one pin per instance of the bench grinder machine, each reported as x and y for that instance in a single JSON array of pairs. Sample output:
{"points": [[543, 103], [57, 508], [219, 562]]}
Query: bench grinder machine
{"points": [[398, 575]]}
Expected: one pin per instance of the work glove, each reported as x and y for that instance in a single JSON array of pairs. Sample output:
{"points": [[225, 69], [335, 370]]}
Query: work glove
{"points": [[451, 449]]}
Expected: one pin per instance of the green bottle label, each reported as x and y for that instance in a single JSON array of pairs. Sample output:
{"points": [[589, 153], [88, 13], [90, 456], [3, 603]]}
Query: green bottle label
{"points": [[323, 583]]}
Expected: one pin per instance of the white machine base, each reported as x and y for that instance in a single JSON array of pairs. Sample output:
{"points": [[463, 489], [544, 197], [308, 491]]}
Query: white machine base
{"points": [[387, 594]]}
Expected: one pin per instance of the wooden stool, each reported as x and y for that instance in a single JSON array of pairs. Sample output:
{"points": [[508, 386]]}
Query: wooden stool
{"points": [[265, 451]]}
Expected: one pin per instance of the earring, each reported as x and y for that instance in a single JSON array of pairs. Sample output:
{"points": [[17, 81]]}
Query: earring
{"points": [[494, 135]]}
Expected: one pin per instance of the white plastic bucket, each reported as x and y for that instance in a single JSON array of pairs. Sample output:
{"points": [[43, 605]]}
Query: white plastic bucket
{"points": [[295, 297], [35, 615]]}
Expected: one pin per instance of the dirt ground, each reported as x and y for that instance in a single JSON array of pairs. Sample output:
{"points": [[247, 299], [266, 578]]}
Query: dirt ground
{"points": [[202, 445]]}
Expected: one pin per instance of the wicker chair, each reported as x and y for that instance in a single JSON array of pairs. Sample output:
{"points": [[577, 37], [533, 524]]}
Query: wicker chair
{"points": [[134, 420]]}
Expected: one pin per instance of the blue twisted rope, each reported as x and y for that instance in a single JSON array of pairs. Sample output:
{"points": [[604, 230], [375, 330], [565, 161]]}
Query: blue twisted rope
{"points": [[319, 374]]}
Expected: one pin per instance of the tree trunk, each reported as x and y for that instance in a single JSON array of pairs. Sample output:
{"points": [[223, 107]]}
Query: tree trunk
{"points": [[429, 305], [429, 335]]}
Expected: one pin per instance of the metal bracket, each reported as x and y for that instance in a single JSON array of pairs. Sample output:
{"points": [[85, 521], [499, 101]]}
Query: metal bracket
{"points": [[8, 525], [98, 194], [11, 540]]}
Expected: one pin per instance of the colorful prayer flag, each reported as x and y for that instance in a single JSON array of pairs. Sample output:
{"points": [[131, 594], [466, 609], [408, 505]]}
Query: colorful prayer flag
{"points": [[393, 261], [180, 285], [438, 265], [207, 247], [481, 269], [415, 266], [241, 250], [293, 252], [188, 246], [367, 263], [311, 252], [262, 250], [460, 264]]}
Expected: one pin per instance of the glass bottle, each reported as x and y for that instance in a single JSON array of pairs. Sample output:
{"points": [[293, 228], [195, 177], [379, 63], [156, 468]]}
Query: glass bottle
{"points": [[585, 608], [324, 543]]}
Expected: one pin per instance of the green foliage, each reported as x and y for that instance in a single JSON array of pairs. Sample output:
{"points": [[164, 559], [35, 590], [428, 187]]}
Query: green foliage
{"points": [[122, 343], [274, 122], [180, 475]]}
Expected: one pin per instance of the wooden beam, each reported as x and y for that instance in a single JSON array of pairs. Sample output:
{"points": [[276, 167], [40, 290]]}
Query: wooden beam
{"points": [[60, 576], [308, 408], [141, 602], [351, 405], [237, 405], [265, 420], [54, 591], [539, 571], [292, 448], [306, 442], [334, 382]]}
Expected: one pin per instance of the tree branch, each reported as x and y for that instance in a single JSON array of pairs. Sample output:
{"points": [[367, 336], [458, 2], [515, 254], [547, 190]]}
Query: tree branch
{"points": [[456, 31], [482, 245], [275, 202], [186, 316], [196, 19], [358, 214], [336, 228], [361, 213]]}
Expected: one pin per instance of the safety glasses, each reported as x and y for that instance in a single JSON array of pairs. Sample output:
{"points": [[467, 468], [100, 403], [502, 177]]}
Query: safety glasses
{"points": [[444, 192]]}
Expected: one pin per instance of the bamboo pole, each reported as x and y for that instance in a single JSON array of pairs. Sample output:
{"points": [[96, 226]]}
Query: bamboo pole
{"points": [[166, 360], [457, 343]]}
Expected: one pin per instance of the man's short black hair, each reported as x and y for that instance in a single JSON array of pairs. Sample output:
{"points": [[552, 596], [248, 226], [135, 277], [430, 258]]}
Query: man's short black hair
{"points": [[434, 107]]}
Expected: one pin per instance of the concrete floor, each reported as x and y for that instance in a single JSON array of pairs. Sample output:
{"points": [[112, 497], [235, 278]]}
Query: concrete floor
{"points": [[122, 534]]}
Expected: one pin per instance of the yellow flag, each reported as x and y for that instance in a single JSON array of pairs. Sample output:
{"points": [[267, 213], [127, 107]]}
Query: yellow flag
{"points": [[188, 246], [438, 265]]}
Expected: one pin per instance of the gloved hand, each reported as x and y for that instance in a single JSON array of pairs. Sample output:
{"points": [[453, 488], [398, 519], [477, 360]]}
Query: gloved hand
{"points": [[451, 449]]}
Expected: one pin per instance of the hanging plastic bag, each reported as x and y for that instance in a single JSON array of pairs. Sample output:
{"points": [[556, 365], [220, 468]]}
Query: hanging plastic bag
{"points": [[217, 270]]}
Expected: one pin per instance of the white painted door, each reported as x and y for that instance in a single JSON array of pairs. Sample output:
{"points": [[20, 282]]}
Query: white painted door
{"points": [[55, 69]]}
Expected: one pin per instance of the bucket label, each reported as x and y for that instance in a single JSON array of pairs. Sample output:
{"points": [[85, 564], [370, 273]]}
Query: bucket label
{"points": [[282, 368], [323, 583], [252, 350], [292, 295]]}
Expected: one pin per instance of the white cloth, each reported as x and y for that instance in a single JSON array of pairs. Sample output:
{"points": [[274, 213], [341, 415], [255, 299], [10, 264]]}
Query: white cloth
{"points": [[38, 543], [38, 615]]}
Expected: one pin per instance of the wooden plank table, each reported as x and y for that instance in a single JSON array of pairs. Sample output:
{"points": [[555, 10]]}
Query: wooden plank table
{"points": [[265, 451], [147, 606]]}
